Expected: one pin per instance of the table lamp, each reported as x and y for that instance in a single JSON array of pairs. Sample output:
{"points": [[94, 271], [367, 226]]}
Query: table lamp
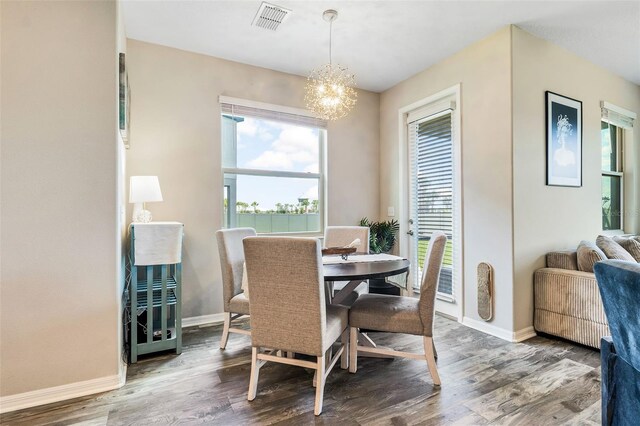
{"points": [[143, 189]]}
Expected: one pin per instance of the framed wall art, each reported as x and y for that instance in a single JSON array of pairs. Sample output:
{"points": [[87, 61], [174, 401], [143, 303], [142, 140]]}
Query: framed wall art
{"points": [[125, 99], [564, 140]]}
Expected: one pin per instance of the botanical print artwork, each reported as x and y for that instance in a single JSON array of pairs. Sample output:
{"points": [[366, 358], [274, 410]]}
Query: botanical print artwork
{"points": [[564, 141], [564, 157]]}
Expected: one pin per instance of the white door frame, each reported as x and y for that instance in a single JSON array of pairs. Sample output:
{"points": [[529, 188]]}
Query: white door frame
{"points": [[453, 310]]}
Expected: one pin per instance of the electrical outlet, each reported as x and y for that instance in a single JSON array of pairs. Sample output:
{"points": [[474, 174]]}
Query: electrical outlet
{"points": [[391, 212]]}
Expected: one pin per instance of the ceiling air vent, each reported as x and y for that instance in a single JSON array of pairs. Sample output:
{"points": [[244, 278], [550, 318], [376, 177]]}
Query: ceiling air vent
{"points": [[270, 16]]}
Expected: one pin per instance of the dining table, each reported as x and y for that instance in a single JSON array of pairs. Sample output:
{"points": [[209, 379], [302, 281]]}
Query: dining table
{"points": [[356, 269], [360, 267]]}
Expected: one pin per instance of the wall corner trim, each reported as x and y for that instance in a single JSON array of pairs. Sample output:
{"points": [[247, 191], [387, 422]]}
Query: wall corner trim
{"points": [[203, 320], [509, 336], [524, 334], [63, 392]]}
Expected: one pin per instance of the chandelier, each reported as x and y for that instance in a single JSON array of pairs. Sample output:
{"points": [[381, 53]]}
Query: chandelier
{"points": [[329, 91]]}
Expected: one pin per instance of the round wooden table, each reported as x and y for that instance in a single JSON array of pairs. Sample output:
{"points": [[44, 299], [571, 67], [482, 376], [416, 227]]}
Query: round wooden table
{"points": [[357, 272], [364, 270]]}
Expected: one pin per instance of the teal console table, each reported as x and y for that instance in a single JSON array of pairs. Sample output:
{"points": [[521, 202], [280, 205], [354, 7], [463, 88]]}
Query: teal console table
{"points": [[155, 292]]}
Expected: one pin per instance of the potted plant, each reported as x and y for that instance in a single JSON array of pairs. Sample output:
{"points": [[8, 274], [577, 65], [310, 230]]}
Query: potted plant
{"points": [[382, 238], [382, 235]]}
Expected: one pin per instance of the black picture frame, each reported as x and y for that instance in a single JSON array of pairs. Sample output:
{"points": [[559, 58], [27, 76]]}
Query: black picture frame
{"points": [[563, 140], [124, 100]]}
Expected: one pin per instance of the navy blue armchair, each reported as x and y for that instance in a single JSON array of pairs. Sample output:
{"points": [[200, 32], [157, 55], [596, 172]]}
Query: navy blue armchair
{"points": [[619, 284]]}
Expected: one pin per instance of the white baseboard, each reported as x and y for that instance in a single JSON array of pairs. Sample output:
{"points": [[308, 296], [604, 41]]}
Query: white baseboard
{"points": [[64, 392], [509, 336], [122, 373], [203, 320]]}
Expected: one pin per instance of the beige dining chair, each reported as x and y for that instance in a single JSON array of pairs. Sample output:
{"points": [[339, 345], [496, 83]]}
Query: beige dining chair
{"points": [[288, 309], [340, 236], [236, 305], [399, 314]]}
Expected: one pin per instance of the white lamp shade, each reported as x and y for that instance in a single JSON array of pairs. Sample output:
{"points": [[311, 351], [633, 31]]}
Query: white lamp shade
{"points": [[144, 189]]}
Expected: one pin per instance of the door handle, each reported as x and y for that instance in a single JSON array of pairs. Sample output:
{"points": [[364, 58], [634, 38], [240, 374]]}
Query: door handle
{"points": [[410, 232]]}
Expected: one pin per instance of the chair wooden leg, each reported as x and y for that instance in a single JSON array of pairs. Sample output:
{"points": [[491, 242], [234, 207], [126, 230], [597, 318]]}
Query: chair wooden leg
{"points": [[319, 386], [435, 353], [431, 360], [225, 330], [344, 358], [353, 350], [255, 372]]}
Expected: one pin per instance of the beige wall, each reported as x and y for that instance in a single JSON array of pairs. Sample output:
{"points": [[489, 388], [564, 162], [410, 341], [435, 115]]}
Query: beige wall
{"points": [[59, 274], [484, 72], [175, 134], [545, 217]]}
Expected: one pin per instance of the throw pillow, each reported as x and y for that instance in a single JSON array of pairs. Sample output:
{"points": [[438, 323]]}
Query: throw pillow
{"points": [[612, 249], [631, 245], [588, 255]]}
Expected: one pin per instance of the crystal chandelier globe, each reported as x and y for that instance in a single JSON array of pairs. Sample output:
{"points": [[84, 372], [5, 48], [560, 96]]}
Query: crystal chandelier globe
{"points": [[329, 92]]}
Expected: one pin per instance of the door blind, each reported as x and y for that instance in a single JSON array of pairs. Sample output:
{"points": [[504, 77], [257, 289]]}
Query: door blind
{"points": [[432, 188]]}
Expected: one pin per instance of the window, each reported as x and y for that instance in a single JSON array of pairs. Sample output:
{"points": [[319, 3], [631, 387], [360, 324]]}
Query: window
{"points": [[273, 165], [612, 177], [615, 123]]}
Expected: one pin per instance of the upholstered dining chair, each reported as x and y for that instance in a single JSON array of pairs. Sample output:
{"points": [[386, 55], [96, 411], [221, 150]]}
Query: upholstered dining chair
{"points": [[398, 314], [340, 236], [236, 305], [288, 309]]}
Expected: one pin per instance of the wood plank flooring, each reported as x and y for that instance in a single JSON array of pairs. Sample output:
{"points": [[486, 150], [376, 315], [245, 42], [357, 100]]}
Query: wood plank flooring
{"points": [[485, 380]]}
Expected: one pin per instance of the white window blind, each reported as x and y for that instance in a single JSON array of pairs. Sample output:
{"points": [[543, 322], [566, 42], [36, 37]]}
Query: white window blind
{"points": [[242, 108], [617, 116], [431, 151]]}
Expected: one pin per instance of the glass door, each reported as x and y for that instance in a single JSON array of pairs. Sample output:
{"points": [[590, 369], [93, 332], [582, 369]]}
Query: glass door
{"points": [[433, 200]]}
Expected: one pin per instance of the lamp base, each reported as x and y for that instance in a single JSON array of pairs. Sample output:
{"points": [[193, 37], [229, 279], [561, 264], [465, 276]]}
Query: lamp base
{"points": [[140, 215]]}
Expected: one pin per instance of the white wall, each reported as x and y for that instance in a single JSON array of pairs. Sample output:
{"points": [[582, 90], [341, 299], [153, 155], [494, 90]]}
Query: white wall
{"points": [[60, 231], [510, 217], [175, 134], [121, 175], [549, 218], [484, 72]]}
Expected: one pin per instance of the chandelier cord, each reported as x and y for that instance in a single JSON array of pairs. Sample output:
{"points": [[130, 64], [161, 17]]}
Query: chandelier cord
{"points": [[330, 33]]}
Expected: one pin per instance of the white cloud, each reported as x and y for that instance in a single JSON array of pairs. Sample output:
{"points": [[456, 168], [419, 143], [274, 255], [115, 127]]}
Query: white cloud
{"points": [[295, 148], [312, 168], [311, 193], [272, 160], [248, 127]]}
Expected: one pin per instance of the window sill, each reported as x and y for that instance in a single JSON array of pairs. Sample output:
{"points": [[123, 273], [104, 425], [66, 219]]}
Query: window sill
{"points": [[613, 233]]}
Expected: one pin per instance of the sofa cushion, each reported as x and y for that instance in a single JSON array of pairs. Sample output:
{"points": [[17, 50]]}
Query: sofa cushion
{"points": [[631, 245], [588, 255], [563, 260], [612, 249]]}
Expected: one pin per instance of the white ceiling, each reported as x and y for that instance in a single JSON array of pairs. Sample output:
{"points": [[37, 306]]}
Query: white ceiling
{"points": [[384, 42]]}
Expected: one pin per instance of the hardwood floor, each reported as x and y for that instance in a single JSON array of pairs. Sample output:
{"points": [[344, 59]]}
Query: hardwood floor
{"points": [[485, 380]]}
